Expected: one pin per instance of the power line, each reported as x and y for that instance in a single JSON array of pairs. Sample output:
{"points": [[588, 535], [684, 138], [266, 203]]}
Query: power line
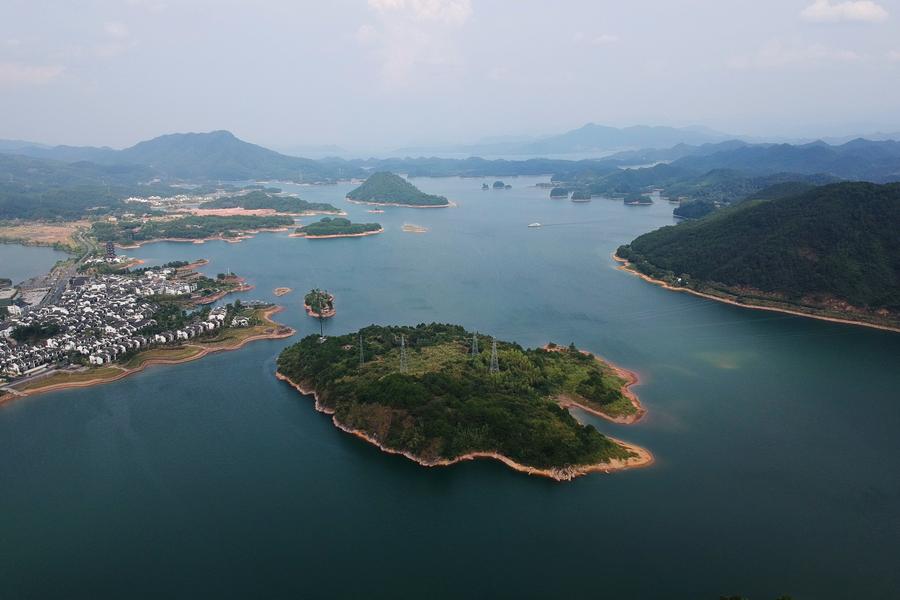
{"points": [[495, 365]]}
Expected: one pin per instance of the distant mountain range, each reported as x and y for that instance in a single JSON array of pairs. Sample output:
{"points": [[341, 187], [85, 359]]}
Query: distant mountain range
{"points": [[215, 155], [588, 139], [220, 156]]}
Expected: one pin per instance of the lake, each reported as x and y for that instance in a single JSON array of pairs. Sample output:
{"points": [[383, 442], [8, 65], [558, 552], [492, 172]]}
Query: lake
{"points": [[19, 263], [777, 456]]}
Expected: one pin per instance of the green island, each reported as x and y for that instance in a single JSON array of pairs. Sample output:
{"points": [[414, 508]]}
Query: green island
{"points": [[581, 195], [637, 199], [387, 188], [189, 227], [831, 252], [559, 192], [260, 200], [335, 227], [422, 392]]}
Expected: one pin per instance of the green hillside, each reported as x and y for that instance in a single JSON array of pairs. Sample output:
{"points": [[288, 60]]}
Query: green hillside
{"points": [[387, 188], [834, 248], [261, 200], [447, 402]]}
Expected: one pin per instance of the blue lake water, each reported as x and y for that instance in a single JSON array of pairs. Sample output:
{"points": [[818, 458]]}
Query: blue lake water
{"points": [[23, 262], [777, 456]]}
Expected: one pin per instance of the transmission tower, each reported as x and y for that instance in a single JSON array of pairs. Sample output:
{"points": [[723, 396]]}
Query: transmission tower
{"points": [[362, 357], [475, 345], [402, 354], [495, 365]]}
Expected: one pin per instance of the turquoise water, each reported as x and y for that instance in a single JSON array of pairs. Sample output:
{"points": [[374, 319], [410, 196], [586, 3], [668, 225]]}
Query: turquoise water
{"points": [[775, 438], [23, 262]]}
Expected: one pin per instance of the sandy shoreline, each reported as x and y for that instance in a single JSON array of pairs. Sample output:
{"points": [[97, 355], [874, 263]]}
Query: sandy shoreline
{"points": [[125, 372], [336, 235], [643, 457], [631, 378], [626, 266]]}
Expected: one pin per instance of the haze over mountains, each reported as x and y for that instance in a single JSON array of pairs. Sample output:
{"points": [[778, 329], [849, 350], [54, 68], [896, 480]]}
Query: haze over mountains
{"points": [[219, 155]]}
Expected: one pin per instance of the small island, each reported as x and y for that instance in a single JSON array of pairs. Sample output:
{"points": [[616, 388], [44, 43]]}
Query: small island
{"points": [[559, 192], [581, 196], [319, 304], [412, 228], [499, 185], [282, 291], [637, 199], [439, 394], [336, 227], [385, 188]]}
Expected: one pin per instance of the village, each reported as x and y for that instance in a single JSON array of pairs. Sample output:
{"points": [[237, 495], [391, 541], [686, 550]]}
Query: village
{"points": [[101, 319]]}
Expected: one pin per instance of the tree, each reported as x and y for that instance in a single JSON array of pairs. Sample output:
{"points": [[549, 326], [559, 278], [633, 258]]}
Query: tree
{"points": [[319, 302]]}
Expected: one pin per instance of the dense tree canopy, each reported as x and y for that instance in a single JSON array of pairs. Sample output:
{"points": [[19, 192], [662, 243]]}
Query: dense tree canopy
{"points": [[838, 241], [387, 188], [448, 403]]}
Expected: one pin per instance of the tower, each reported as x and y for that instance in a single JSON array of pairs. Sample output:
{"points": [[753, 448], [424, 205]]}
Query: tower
{"points": [[475, 345], [402, 354], [495, 365], [110, 249], [362, 357]]}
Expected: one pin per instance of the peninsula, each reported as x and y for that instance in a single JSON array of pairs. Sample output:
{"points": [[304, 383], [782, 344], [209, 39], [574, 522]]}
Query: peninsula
{"points": [[385, 188], [187, 228], [829, 253], [277, 203], [336, 227], [438, 395]]}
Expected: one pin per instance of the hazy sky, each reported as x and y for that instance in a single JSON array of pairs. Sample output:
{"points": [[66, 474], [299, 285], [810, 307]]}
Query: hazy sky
{"points": [[387, 73]]}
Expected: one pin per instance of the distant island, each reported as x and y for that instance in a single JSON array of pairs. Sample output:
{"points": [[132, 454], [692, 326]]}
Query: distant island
{"points": [[637, 199], [260, 200], [831, 252], [499, 185], [581, 196], [559, 192], [390, 189], [439, 394], [329, 227]]}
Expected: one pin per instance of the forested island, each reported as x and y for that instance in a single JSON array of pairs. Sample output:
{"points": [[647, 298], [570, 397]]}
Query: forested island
{"points": [[329, 227], [559, 192], [190, 227], [422, 392], [830, 252], [258, 199], [387, 188]]}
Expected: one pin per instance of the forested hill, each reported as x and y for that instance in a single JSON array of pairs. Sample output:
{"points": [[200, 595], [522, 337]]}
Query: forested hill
{"points": [[826, 247], [388, 188], [216, 155]]}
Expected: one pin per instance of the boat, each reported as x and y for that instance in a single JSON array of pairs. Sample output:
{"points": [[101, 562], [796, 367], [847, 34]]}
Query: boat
{"points": [[375, 210], [534, 224]]}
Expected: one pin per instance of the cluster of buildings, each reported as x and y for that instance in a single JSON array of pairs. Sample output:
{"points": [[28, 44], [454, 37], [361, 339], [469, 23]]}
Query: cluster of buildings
{"points": [[99, 319]]}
